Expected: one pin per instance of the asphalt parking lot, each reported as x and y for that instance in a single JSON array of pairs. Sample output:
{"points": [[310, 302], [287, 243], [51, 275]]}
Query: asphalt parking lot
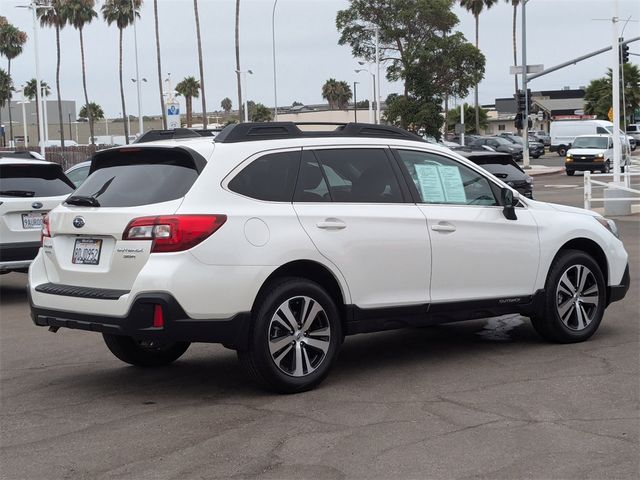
{"points": [[481, 399]]}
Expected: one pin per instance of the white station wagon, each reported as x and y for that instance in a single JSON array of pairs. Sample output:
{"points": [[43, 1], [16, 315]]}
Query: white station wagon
{"points": [[279, 242]]}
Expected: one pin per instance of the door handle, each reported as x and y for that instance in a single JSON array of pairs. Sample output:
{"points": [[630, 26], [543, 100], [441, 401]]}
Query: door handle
{"points": [[443, 227], [331, 224]]}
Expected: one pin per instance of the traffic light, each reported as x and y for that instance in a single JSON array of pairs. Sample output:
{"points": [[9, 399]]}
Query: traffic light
{"points": [[624, 53], [517, 123], [523, 102]]}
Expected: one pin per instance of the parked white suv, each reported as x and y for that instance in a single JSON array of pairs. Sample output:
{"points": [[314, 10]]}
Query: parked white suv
{"points": [[277, 243], [28, 190]]}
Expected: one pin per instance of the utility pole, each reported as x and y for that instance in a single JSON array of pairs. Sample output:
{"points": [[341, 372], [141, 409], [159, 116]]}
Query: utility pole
{"points": [[615, 69], [355, 102], [273, 46], [377, 88], [462, 122], [34, 5], [138, 86]]}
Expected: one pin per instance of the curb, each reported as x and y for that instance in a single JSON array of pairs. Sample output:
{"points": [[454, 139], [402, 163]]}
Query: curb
{"points": [[550, 171]]}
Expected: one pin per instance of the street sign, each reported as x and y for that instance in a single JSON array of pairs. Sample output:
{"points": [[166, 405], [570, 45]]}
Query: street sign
{"points": [[517, 70]]}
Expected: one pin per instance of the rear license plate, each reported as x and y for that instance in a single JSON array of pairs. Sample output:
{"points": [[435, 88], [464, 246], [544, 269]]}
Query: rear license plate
{"points": [[32, 221], [86, 251]]}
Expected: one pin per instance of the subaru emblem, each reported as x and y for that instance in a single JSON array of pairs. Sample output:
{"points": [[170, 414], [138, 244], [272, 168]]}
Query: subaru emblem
{"points": [[78, 222], [36, 205]]}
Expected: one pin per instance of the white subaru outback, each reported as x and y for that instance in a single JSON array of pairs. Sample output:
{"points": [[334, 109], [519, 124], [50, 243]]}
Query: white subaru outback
{"points": [[278, 242]]}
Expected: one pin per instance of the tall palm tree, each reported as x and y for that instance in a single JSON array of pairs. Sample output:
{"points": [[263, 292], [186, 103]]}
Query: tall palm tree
{"points": [[121, 13], [226, 104], [5, 93], [189, 87], [514, 4], [12, 40], [204, 103], [54, 17], [80, 13], [155, 15], [240, 107], [476, 7], [30, 89]]}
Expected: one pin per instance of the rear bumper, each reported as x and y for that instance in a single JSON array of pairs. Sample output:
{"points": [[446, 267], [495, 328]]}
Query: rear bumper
{"points": [[16, 256], [618, 292], [138, 323]]}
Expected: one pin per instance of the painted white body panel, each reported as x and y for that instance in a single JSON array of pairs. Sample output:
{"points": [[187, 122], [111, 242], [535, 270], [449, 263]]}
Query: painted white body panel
{"points": [[387, 255], [11, 211]]}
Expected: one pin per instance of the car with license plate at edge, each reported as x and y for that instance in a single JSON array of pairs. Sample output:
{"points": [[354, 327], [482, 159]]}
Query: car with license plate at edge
{"points": [[28, 190], [278, 241]]}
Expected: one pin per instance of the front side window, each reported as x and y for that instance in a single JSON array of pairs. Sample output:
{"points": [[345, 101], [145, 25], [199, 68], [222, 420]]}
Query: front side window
{"points": [[359, 175], [271, 177], [440, 180]]}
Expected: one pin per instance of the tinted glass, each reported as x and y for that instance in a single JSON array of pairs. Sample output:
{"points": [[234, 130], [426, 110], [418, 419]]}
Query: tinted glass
{"points": [[311, 186], [127, 179], [79, 175], [33, 181], [360, 175], [503, 171], [440, 180], [271, 178]]}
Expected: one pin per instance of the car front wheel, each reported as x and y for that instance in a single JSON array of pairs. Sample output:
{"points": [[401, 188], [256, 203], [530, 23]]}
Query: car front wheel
{"points": [[144, 353], [295, 337], [607, 167], [574, 299]]}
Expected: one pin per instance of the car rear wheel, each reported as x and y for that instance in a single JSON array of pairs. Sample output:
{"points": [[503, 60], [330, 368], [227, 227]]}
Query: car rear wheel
{"points": [[562, 150], [570, 173], [144, 353], [295, 337], [574, 299]]}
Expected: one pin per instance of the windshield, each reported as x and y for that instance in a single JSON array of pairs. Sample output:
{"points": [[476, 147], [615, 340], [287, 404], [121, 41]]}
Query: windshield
{"points": [[590, 142], [503, 141]]}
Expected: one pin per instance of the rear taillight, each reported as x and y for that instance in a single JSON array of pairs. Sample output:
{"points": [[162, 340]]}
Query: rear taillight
{"points": [[173, 233], [46, 231]]}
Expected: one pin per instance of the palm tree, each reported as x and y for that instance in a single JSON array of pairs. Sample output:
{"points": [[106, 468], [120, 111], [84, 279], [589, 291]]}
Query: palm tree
{"points": [[80, 13], [121, 13], [155, 15], [204, 103], [337, 93], [5, 92], [189, 87], [30, 89], [54, 17], [226, 104], [240, 112], [12, 40], [476, 7], [515, 4], [92, 110]]}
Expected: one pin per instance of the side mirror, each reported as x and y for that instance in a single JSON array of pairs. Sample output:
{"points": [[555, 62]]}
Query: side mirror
{"points": [[509, 201]]}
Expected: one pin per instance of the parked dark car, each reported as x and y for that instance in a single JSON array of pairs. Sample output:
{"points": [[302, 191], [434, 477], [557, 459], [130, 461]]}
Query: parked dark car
{"points": [[536, 149], [500, 144], [502, 166], [541, 136]]}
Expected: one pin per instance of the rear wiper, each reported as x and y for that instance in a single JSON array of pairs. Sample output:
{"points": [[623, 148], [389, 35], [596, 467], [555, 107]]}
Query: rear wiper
{"points": [[82, 201], [17, 193]]}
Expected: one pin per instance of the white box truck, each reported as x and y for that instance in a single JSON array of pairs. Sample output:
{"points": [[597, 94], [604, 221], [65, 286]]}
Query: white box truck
{"points": [[563, 132]]}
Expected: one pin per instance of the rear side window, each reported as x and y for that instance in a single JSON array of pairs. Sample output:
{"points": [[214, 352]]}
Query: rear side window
{"points": [[359, 175], [271, 178], [139, 177], [33, 181], [311, 186]]}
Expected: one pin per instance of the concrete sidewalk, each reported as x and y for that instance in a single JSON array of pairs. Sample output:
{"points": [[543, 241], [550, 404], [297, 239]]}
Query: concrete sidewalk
{"points": [[536, 170]]}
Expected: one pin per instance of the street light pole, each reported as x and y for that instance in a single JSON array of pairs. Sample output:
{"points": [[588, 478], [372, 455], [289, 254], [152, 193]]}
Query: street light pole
{"points": [[273, 47], [34, 5], [246, 96], [525, 130], [377, 89], [24, 119], [355, 101], [46, 115], [135, 42], [373, 89], [615, 81]]}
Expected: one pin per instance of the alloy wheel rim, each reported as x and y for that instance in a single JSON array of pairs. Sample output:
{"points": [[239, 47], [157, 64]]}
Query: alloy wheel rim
{"points": [[577, 297], [299, 336]]}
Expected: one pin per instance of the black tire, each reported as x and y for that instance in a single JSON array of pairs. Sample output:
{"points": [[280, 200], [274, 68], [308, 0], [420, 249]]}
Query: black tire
{"points": [[576, 327], [144, 354], [258, 360], [571, 173], [562, 150], [607, 167]]}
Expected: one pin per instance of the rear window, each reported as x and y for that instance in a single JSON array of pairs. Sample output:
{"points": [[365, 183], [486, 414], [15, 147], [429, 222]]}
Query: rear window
{"points": [[270, 178], [136, 177], [33, 181]]}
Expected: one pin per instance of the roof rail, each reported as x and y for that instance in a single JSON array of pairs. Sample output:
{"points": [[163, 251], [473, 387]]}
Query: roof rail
{"points": [[175, 134], [247, 132]]}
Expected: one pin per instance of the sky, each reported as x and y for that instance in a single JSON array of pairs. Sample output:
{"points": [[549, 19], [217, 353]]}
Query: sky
{"points": [[307, 50]]}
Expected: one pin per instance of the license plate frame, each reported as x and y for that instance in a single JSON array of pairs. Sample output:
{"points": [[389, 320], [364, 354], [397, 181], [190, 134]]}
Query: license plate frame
{"points": [[28, 217], [86, 251]]}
